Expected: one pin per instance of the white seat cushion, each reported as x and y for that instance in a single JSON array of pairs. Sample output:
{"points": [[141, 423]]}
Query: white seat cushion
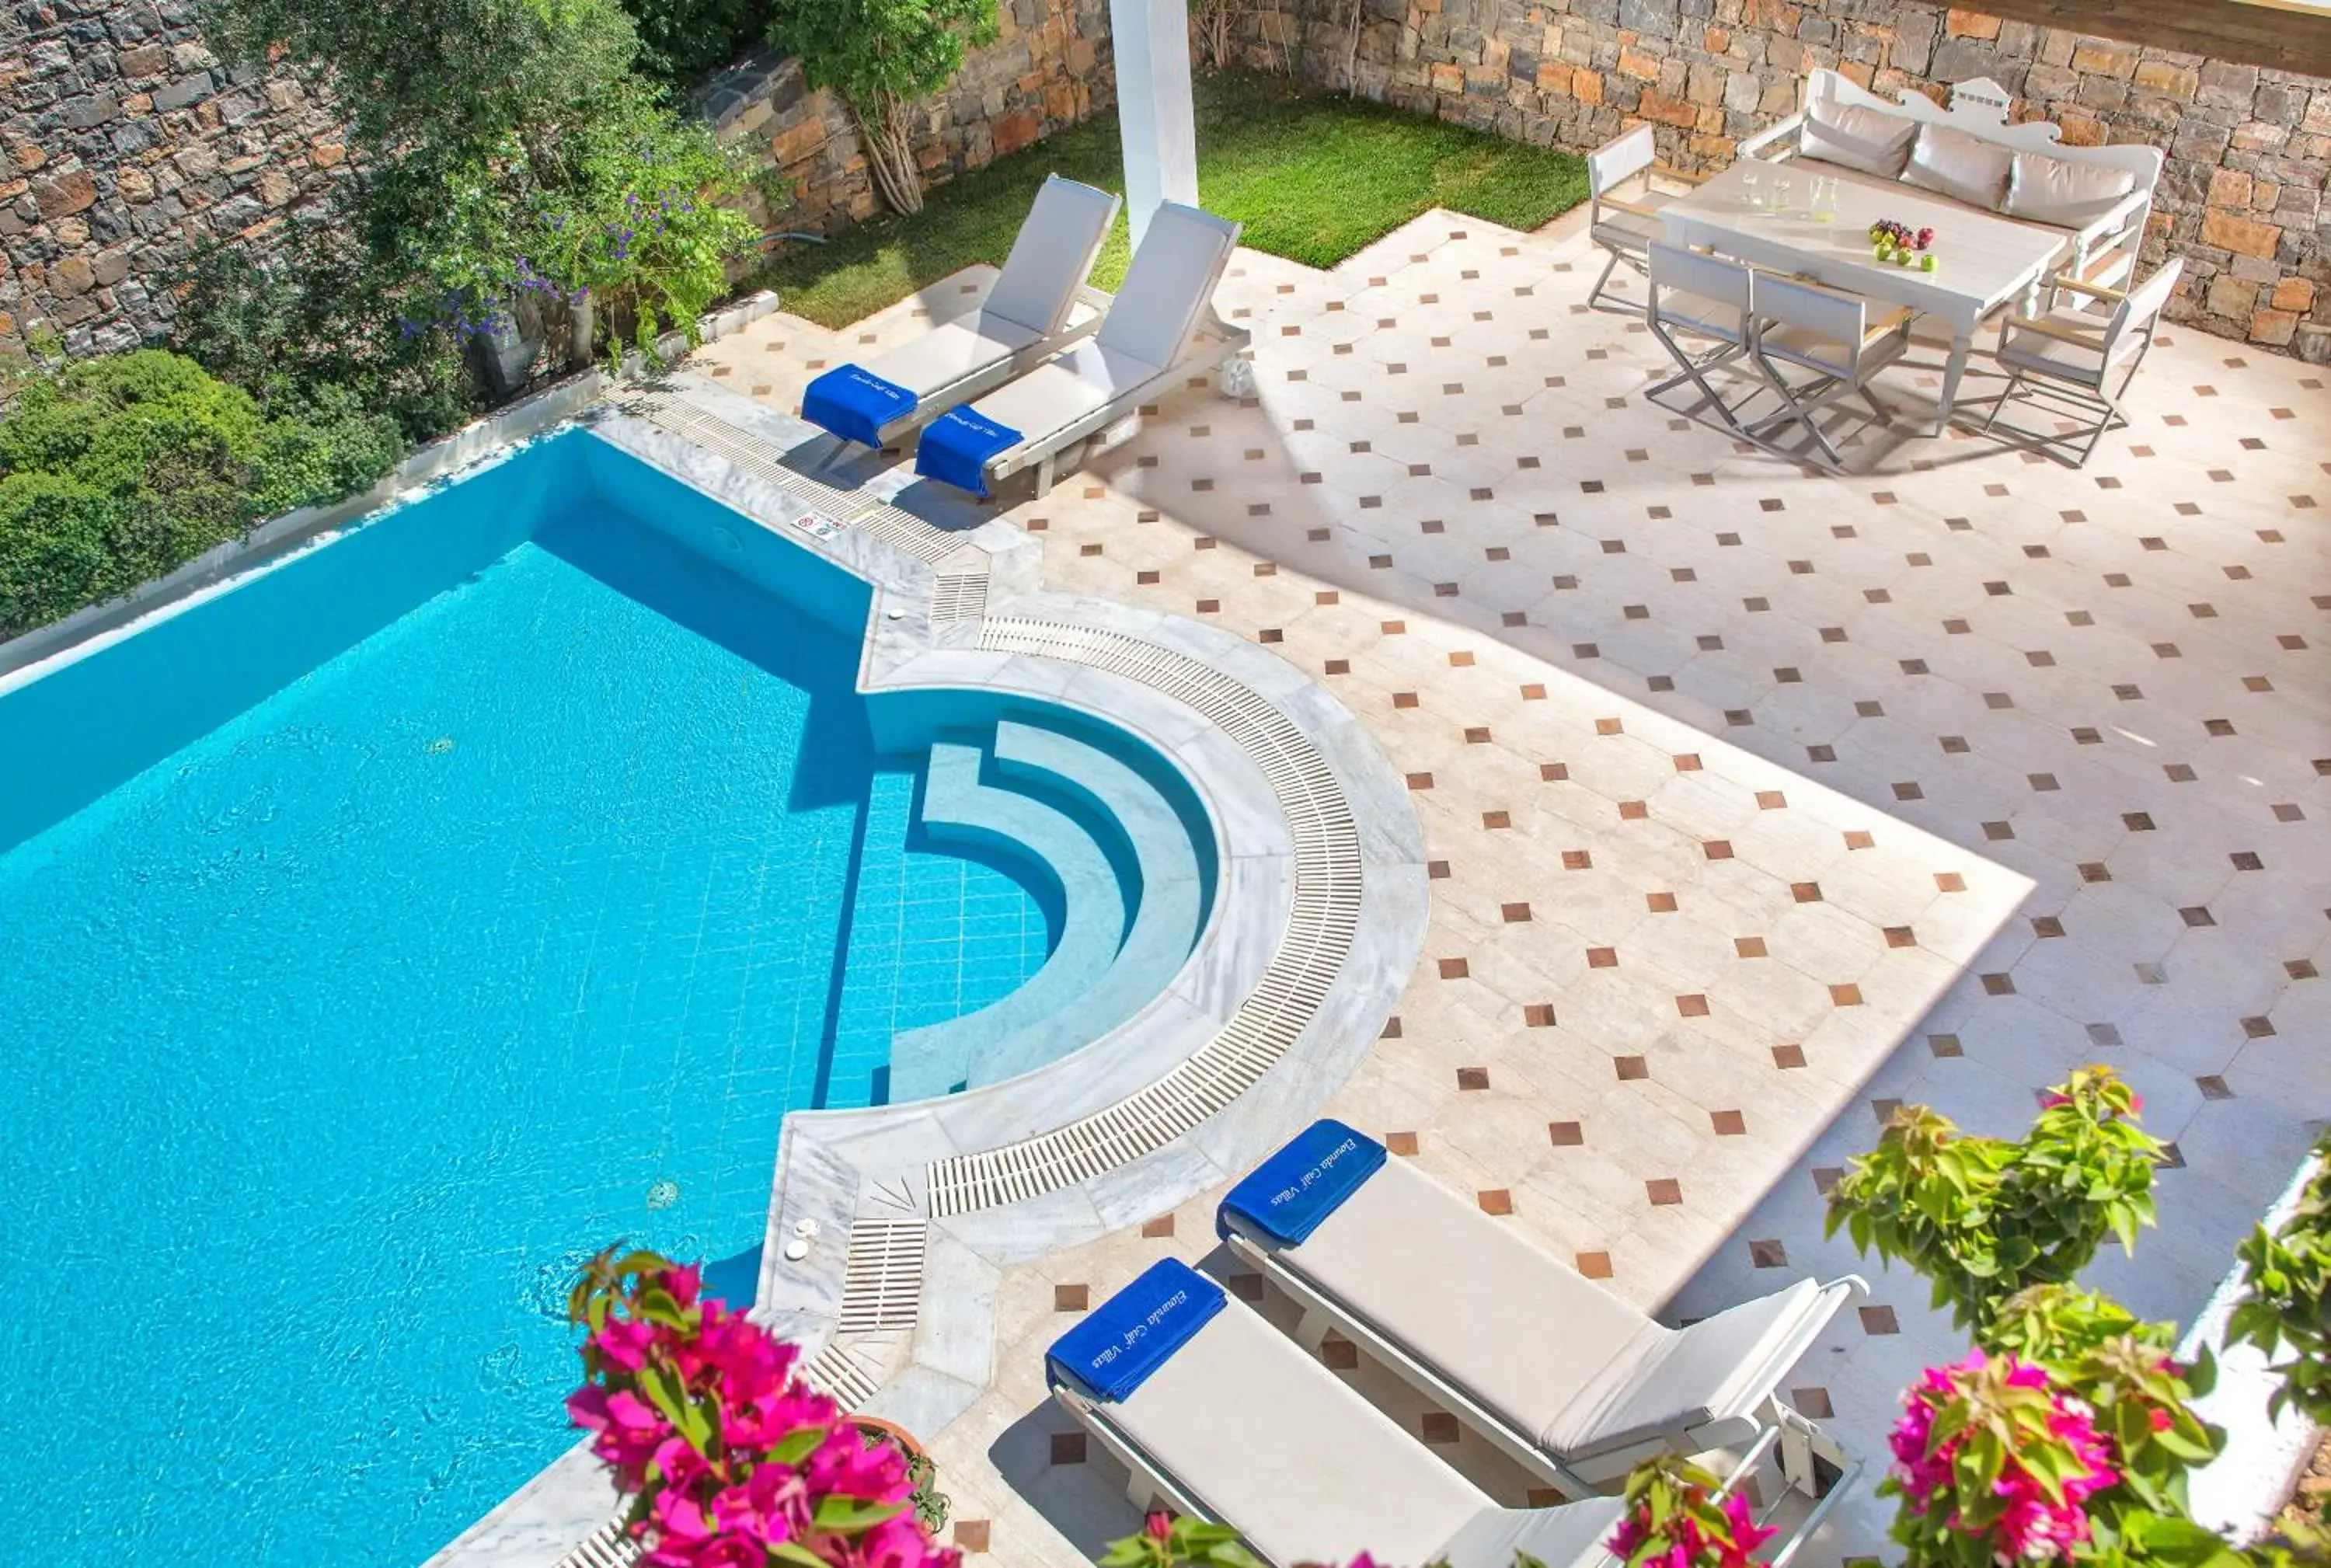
{"points": [[1854, 138], [2062, 192], [1830, 355], [1698, 313], [1274, 1444], [1965, 168], [2036, 351], [952, 351], [1630, 231], [1057, 393]]}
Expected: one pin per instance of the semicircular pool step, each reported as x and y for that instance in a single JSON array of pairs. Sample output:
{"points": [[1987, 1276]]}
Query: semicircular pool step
{"points": [[1134, 896]]}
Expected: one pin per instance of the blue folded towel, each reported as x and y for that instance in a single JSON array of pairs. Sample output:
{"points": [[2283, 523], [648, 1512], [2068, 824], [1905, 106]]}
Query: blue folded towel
{"points": [[1287, 1195], [1136, 1331], [956, 448], [855, 404]]}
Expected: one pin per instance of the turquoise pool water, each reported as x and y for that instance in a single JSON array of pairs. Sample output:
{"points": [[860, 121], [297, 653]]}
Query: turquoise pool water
{"points": [[390, 933]]}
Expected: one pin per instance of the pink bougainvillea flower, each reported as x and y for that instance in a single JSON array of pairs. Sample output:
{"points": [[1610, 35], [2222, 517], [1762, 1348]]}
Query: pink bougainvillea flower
{"points": [[1159, 1525]]}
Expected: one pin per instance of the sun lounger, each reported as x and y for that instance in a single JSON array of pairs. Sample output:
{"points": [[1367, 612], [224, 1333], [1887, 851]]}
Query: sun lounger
{"points": [[1571, 1382], [1160, 330], [1038, 305], [1225, 1418], [1221, 1417]]}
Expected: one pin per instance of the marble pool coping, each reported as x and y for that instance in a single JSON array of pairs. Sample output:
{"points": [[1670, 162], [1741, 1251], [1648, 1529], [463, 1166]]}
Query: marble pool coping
{"points": [[1320, 913]]}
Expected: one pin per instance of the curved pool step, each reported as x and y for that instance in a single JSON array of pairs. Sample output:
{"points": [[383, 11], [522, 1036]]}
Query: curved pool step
{"points": [[1167, 892], [961, 809]]}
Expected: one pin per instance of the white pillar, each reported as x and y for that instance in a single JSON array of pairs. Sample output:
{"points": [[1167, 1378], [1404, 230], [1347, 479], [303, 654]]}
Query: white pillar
{"points": [[1152, 43]]}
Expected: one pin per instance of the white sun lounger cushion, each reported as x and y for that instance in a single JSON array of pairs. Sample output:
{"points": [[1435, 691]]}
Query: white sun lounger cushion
{"points": [[1552, 1354], [1051, 254], [1268, 1440], [953, 351], [1172, 277], [1061, 391]]}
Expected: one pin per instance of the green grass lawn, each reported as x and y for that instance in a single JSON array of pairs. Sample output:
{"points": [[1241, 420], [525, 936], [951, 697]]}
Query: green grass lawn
{"points": [[1313, 177]]}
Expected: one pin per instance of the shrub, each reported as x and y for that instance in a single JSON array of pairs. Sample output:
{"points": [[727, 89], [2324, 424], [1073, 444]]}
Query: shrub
{"points": [[880, 56], [121, 468], [53, 547], [315, 314], [682, 42], [729, 1458], [2286, 1301], [1985, 1218]]}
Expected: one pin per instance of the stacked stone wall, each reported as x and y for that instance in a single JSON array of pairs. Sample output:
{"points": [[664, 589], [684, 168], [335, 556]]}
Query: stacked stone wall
{"points": [[124, 142], [2242, 198], [1049, 69]]}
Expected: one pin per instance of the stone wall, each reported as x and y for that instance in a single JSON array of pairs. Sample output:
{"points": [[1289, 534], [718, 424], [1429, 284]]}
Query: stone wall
{"points": [[2250, 150], [1048, 69], [124, 142]]}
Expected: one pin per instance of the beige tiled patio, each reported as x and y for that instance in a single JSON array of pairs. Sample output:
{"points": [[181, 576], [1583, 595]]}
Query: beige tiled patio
{"points": [[1760, 799]]}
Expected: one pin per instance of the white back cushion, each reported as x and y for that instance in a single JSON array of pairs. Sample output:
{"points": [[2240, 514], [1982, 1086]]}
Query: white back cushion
{"points": [[1965, 168], [1050, 255], [1172, 277], [1854, 138], [2059, 191]]}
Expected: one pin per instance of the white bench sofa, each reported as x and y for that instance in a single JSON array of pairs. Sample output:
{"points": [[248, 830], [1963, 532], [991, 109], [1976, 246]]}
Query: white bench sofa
{"points": [[2100, 196]]}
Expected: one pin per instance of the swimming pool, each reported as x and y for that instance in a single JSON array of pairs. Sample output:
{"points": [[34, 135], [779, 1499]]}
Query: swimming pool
{"points": [[384, 935]]}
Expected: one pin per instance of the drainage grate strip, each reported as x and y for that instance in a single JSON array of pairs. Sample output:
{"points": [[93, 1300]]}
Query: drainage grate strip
{"points": [[883, 1278]]}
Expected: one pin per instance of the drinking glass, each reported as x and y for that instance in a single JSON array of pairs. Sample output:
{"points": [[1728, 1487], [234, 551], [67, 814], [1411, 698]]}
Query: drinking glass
{"points": [[1781, 184], [1752, 190], [1824, 199]]}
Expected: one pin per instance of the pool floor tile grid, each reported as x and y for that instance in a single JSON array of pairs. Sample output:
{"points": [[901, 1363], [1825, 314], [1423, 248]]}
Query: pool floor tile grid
{"points": [[2098, 696]]}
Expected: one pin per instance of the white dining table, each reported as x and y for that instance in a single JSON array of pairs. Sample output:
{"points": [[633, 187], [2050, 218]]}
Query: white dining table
{"points": [[1982, 261]]}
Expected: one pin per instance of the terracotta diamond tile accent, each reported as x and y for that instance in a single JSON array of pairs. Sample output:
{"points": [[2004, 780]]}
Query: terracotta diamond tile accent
{"points": [[1767, 1254], [1565, 1134], [1538, 1014], [1879, 1320], [1158, 1229], [971, 1535], [1472, 1078], [1805, 892], [1692, 1006], [1845, 995], [1400, 1143], [1631, 1068], [1338, 1354], [1601, 958], [1788, 1056], [1068, 1448], [1072, 1297], [1495, 1201], [1664, 1191], [1453, 968], [1749, 946], [1814, 1403], [1594, 1265], [1729, 1124], [1440, 1427], [1245, 1287]]}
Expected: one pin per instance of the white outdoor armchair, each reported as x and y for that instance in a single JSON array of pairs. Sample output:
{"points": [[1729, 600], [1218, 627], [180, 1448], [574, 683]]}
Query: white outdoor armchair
{"points": [[2078, 362], [1698, 310], [1817, 345], [1622, 207]]}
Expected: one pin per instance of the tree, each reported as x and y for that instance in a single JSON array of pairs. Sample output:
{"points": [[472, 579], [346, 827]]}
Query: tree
{"points": [[880, 56]]}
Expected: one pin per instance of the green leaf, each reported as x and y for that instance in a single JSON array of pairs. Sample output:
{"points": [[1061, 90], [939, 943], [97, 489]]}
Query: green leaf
{"points": [[841, 1515]]}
